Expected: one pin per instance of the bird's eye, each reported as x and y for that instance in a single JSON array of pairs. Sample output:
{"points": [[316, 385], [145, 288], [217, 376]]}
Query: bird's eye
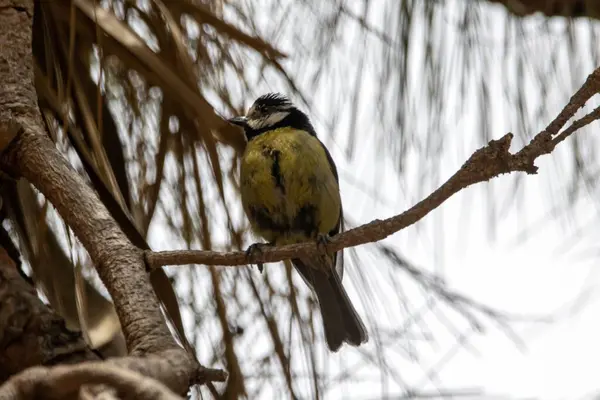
{"points": [[252, 112]]}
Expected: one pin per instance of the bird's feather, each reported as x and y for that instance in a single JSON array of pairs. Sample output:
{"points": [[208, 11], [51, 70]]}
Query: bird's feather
{"points": [[290, 192]]}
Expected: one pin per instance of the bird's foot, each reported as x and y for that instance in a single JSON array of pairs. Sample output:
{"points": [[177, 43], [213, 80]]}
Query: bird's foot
{"points": [[254, 250], [322, 241]]}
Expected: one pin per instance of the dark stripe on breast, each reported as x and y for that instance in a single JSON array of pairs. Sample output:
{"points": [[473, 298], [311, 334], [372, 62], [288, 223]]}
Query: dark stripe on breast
{"points": [[274, 155], [276, 170]]}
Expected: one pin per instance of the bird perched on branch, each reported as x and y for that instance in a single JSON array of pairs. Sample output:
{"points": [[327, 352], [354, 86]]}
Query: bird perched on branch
{"points": [[290, 193]]}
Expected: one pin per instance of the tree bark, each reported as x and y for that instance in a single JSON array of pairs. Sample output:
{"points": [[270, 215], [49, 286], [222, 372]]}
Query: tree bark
{"points": [[32, 334], [553, 8]]}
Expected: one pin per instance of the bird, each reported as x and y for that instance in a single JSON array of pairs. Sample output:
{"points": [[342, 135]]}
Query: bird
{"points": [[290, 193]]}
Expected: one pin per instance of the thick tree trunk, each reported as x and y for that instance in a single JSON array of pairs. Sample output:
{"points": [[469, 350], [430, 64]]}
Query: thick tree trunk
{"points": [[32, 334]]}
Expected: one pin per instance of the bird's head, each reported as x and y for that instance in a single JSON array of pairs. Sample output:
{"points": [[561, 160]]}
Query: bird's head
{"points": [[271, 111]]}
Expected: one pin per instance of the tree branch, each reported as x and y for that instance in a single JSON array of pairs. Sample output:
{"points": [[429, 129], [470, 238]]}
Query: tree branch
{"points": [[488, 162], [131, 377], [552, 8]]}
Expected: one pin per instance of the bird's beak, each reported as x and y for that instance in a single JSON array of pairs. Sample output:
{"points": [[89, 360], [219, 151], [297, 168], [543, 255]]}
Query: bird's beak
{"points": [[240, 121]]}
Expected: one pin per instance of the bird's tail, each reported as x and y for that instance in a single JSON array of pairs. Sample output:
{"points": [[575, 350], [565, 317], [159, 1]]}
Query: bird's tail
{"points": [[340, 320]]}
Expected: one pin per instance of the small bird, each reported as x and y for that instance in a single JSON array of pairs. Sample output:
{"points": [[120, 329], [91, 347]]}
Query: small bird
{"points": [[290, 193]]}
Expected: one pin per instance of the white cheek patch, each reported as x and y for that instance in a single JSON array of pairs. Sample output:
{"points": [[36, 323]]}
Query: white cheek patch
{"points": [[276, 117], [270, 120]]}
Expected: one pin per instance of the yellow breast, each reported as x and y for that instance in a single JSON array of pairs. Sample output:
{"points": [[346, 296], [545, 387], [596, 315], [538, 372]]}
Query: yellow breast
{"points": [[288, 188]]}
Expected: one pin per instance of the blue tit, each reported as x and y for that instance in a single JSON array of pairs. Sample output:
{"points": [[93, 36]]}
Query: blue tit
{"points": [[290, 193]]}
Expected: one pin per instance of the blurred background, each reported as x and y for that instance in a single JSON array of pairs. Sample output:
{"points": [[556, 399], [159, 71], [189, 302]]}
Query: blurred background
{"points": [[493, 295]]}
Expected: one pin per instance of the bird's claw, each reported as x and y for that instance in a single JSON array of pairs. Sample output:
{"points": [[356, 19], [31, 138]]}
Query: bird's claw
{"points": [[254, 250], [322, 241]]}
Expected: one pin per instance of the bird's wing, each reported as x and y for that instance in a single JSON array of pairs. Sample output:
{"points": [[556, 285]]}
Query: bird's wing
{"points": [[338, 258]]}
